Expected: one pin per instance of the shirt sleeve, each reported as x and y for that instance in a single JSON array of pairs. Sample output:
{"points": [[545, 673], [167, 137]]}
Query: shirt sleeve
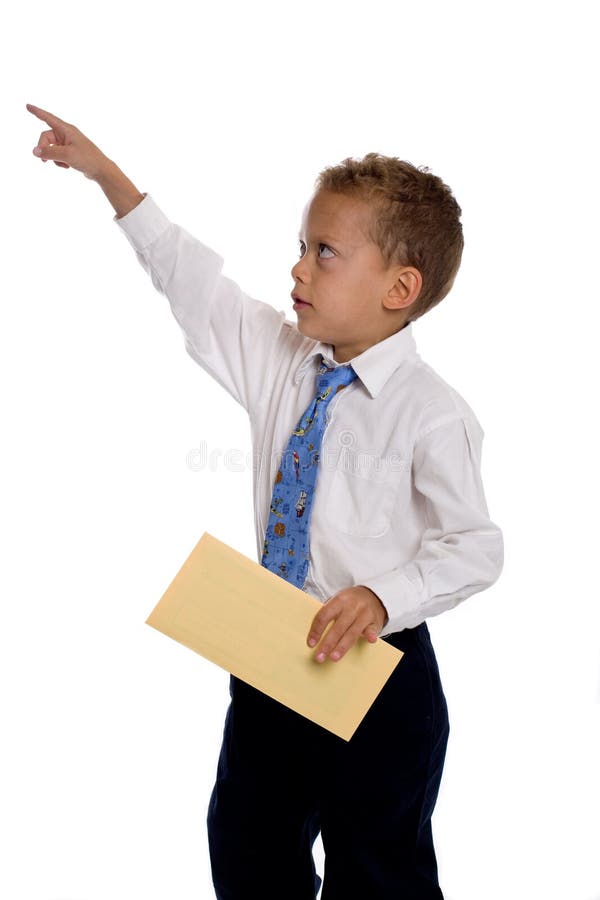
{"points": [[229, 334], [462, 550]]}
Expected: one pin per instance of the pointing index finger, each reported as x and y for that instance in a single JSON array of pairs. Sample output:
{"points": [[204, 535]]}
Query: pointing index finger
{"points": [[44, 115]]}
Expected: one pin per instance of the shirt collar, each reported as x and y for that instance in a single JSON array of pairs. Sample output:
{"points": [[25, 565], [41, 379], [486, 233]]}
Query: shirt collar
{"points": [[373, 366]]}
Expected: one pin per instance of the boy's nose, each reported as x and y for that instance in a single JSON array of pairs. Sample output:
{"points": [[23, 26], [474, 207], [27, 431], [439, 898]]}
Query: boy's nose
{"points": [[298, 271]]}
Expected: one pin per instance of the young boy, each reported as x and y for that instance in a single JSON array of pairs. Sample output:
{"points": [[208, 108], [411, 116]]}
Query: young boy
{"points": [[368, 495]]}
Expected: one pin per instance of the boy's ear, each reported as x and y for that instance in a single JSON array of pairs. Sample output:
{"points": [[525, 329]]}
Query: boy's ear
{"points": [[406, 288]]}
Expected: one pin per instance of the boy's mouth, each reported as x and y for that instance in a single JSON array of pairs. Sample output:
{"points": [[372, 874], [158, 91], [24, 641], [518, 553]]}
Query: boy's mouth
{"points": [[299, 303]]}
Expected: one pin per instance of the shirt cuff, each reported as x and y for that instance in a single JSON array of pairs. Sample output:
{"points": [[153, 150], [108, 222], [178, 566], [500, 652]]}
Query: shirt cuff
{"points": [[143, 224], [398, 595]]}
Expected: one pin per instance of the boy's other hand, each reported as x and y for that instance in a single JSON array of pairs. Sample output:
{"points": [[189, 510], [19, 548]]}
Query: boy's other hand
{"points": [[66, 146], [355, 612]]}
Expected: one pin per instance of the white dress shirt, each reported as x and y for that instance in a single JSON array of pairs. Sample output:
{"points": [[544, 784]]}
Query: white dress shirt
{"points": [[399, 505]]}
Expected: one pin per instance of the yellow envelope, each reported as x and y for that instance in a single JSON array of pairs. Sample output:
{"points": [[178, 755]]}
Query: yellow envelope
{"points": [[254, 624]]}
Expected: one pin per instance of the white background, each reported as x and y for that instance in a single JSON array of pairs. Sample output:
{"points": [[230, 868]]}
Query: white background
{"points": [[226, 114]]}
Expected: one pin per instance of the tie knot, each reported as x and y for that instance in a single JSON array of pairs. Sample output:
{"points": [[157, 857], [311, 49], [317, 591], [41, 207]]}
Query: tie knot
{"points": [[334, 377]]}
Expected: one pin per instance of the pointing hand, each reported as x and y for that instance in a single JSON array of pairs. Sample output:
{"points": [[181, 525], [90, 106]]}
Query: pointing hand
{"points": [[66, 146]]}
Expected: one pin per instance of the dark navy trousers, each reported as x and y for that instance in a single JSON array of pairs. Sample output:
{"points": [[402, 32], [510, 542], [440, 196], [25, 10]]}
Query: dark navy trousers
{"points": [[281, 779]]}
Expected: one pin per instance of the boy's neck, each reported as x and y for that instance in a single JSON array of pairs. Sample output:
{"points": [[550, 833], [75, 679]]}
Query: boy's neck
{"points": [[348, 355]]}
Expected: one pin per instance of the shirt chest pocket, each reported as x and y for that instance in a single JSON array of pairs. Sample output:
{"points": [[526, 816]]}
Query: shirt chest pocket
{"points": [[362, 493]]}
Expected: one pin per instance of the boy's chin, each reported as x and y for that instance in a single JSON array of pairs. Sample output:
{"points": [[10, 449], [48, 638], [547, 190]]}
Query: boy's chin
{"points": [[304, 328]]}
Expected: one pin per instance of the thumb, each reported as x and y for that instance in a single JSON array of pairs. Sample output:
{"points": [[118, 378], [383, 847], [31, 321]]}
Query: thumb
{"points": [[57, 152]]}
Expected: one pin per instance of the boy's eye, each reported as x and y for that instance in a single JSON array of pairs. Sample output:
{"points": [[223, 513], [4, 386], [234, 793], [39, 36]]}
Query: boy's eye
{"points": [[320, 245]]}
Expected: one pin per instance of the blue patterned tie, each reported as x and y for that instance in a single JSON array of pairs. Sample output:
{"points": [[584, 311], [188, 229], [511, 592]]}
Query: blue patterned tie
{"points": [[286, 547]]}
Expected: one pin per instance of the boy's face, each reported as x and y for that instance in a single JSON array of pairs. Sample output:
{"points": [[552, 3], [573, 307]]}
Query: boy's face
{"points": [[354, 299]]}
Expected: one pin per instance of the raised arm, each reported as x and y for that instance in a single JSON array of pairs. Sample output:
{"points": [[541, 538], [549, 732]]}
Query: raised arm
{"points": [[231, 335]]}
